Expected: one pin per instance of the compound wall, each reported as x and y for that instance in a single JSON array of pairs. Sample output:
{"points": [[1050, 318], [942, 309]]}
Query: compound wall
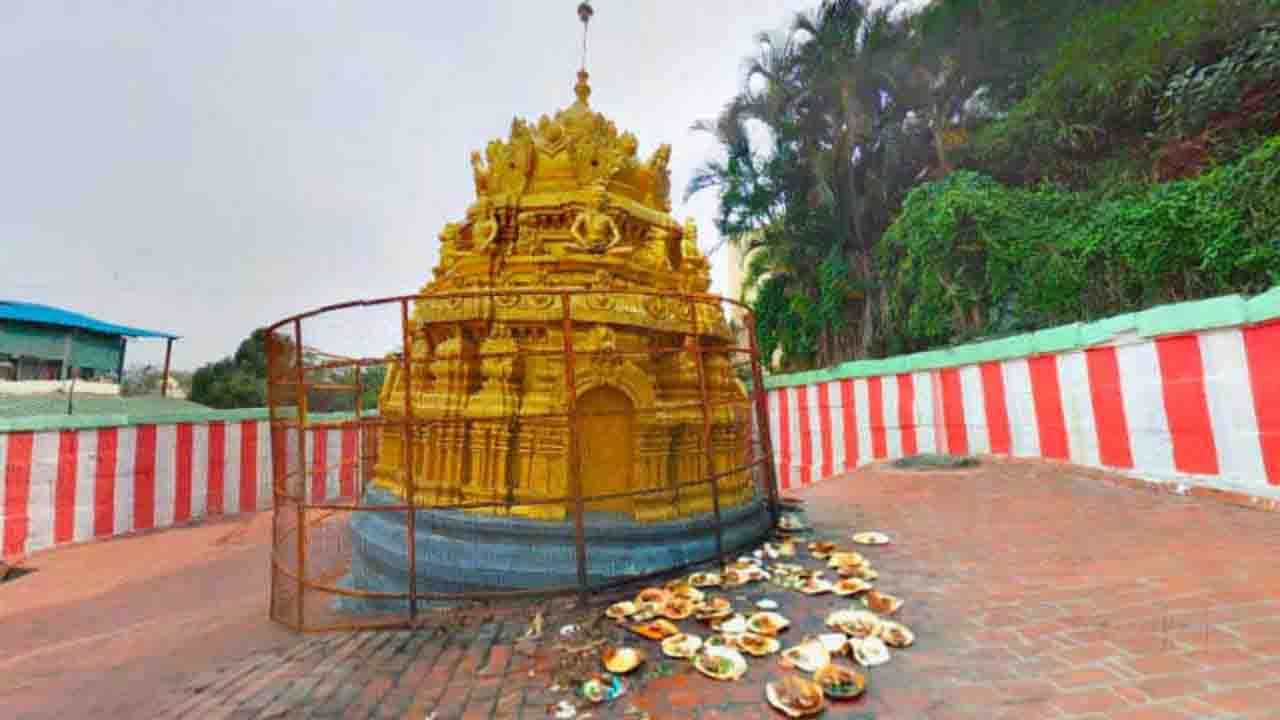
{"points": [[1162, 396], [71, 485]]}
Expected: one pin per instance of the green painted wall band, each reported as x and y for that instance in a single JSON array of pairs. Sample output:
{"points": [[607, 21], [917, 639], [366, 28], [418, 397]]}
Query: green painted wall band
{"points": [[1198, 315]]}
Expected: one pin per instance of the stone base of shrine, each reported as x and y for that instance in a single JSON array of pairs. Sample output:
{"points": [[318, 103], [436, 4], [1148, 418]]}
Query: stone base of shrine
{"points": [[460, 552]]}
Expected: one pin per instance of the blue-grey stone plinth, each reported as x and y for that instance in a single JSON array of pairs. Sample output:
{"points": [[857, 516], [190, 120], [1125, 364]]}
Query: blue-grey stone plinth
{"points": [[463, 552]]}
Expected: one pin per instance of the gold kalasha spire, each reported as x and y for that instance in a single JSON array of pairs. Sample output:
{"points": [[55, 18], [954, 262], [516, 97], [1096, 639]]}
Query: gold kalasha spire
{"points": [[582, 89]]}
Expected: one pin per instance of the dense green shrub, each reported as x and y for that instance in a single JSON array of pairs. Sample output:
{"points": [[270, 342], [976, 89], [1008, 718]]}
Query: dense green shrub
{"points": [[1100, 94], [969, 256]]}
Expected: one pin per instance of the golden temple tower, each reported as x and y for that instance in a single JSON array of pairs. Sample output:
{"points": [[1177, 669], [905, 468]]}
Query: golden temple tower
{"points": [[567, 204]]}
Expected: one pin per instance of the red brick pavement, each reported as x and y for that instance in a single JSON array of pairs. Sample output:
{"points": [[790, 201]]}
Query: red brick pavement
{"points": [[1036, 591]]}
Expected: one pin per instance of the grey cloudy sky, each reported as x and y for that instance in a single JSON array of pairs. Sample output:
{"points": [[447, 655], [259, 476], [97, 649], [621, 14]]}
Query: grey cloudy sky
{"points": [[210, 167]]}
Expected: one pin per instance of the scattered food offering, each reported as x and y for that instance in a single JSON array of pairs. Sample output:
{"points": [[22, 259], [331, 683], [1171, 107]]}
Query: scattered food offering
{"points": [[681, 646], [882, 603], [839, 682], [896, 634], [655, 629], [767, 623], [622, 660], [720, 663], [808, 656], [850, 586], [859, 632], [795, 696], [758, 645], [869, 651]]}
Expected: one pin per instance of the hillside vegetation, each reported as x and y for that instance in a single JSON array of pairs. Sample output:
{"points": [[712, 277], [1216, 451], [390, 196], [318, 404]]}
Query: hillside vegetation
{"points": [[985, 167]]}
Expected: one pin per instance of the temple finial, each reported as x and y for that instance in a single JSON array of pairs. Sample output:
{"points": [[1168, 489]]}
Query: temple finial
{"points": [[582, 89]]}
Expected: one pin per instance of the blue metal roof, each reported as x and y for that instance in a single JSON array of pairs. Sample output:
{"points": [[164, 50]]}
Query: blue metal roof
{"points": [[36, 313]]}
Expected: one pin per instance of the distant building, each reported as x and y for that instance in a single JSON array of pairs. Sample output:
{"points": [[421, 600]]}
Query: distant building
{"points": [[735, 274], [42, 348]]}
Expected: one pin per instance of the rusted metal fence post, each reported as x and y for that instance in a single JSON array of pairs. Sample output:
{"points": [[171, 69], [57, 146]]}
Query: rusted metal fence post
{"points": [[300, 372], [762, 420], [706, 428], [359, 431], [571, 424], [406, 452], [276, 473]]}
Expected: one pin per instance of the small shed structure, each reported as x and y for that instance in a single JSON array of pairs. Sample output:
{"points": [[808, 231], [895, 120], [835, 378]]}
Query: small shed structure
{"points": [[43, 343]]}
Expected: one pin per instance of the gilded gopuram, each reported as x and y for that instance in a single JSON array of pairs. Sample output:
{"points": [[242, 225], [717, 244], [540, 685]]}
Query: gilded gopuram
{"points": [[568, 410], [498, 426]]}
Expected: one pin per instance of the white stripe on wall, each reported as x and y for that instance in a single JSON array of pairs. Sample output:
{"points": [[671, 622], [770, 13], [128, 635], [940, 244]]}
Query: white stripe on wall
{"points": [[892, 429], [1231, 409], [835, 396], [199, 470], [265, 498], [1077, 408], [166, 473], [40, 500], [231, 473], [775, 431], [975, 410], [1022, 408], [86, 464], [126, 449], [333, 455], [793, 420], [926, 433], [1143, 400], [862, 418]]}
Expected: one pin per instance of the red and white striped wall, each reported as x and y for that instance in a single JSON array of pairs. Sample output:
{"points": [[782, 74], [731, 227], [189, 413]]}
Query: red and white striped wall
{"points": [[70, 486], [1199, 408]]}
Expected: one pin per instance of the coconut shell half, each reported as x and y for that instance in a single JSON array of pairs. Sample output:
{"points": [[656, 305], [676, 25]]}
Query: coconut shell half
{"points": [[795, 696]]}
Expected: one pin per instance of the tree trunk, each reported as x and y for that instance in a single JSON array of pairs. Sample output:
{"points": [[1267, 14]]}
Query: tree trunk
{"points": [[940, 144]]}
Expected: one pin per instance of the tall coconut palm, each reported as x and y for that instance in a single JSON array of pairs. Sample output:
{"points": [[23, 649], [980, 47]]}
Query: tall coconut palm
{"points": [[824, 93]]}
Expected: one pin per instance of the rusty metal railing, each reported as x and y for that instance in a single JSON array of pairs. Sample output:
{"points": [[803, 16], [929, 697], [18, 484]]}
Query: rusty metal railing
{"points": [[322, 469]]}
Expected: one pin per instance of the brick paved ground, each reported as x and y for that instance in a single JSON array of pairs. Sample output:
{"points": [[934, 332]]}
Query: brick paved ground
{"points": [[1035, 590]]}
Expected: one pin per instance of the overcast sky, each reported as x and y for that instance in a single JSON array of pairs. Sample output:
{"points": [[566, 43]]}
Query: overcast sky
{"points": [[206, 168]]}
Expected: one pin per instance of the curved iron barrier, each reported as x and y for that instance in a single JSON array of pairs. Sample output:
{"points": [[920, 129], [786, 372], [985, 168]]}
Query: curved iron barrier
{"points": [[324, 473]]}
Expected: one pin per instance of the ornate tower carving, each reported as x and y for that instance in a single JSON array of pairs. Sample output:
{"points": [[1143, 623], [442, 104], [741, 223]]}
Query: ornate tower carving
{"points": [[567, 203]]}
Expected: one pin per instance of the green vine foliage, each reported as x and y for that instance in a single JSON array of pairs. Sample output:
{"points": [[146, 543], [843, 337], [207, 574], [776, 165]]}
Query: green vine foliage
{"points": [[969, 257]]}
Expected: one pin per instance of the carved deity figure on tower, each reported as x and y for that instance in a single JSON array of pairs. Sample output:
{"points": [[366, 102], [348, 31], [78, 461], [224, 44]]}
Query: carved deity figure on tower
{"points": [[656, 251], [484, 225], [690, 246], [660, 191], [594, 230], [449, 238], [480, 172]]}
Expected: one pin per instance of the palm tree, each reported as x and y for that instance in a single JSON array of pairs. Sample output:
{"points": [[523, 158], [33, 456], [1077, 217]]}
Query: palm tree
{"points": [[824, 93]]}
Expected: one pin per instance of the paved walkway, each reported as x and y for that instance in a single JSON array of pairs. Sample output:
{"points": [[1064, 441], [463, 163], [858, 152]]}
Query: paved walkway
{"points": [[1035, 590]]}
